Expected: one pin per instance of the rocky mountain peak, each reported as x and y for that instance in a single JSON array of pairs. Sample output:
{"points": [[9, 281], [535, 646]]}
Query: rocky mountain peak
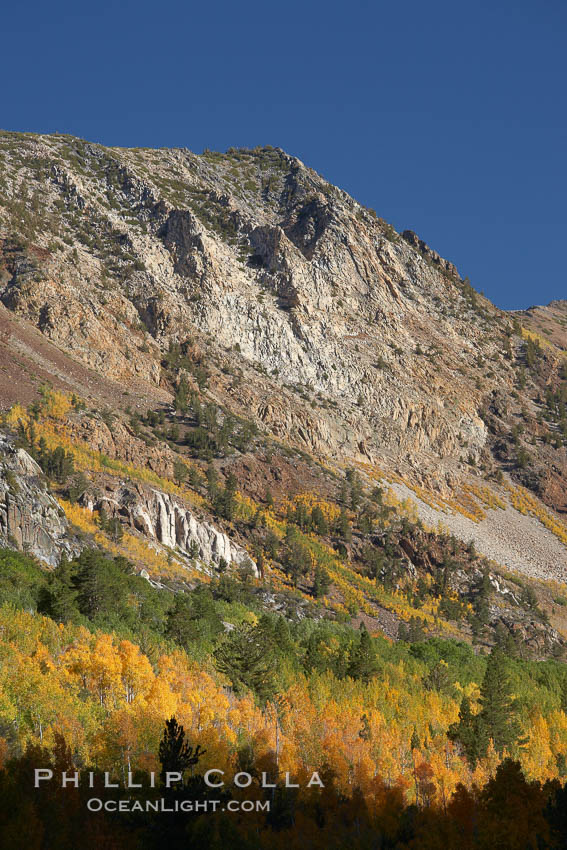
{"points": [[310, 314]]}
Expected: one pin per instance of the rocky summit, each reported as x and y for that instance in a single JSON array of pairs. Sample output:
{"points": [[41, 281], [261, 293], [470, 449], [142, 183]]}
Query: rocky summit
{"points": [[231, 323]]}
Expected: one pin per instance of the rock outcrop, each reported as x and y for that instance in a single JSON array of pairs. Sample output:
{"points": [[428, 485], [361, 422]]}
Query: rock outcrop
{"points": [[429, 254], [30, 518], [160, 517]]}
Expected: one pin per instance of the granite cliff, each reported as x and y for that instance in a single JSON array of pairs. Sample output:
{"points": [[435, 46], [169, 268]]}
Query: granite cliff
{"points": [[30, 518]]}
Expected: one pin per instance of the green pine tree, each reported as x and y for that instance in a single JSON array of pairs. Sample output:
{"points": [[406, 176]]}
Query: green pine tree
{"points": [[175, 754], [362, 659], [246, 657], [314, 659], [62, 604], [180, 472], [99, 583], [321, 582], [181, 395], [344, 525], [180, 624], [498, 712], [469, 733], [114, 529], [318, 521], [212, 481]]}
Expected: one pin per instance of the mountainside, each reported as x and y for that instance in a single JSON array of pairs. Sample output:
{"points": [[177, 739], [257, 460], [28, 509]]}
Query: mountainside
{"points": [[274, 472], [127, 251], [550, 322], [237, 313]]}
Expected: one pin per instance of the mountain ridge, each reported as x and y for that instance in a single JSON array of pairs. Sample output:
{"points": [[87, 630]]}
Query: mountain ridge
{"points": [[255, 284]]}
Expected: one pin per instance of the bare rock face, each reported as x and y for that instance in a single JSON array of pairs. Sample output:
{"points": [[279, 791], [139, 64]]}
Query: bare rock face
{"points": [[160, 517], [116, 440], [431, 255], [353, 341], [30, 518]]}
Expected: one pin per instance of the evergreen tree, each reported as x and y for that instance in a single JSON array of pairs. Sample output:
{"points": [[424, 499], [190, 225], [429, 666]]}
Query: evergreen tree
{"points": [[203, 605], [175, 754], [313, 659], [231, 483], [77, 487], [57, 464], [481, 598], [102, 519], [271, 545], [413, 632], [194, 477], [297, 561], [377, 494], [246, 658], [321, 582], [194, 617], [366, 519], [180, 624], [282, 635], [343, 524], [180, 472], [532, 352], [224, 501], [468, 732], [181, 395], [99, 583], [300, 516], [114, 529], [362, 659], [90, 589], [318, 521], [355, 490], [212, 481], [498, 712], [62, 603]]}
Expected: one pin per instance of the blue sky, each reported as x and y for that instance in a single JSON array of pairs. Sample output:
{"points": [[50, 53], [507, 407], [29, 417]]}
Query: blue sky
{"points": [[448, 118]]}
